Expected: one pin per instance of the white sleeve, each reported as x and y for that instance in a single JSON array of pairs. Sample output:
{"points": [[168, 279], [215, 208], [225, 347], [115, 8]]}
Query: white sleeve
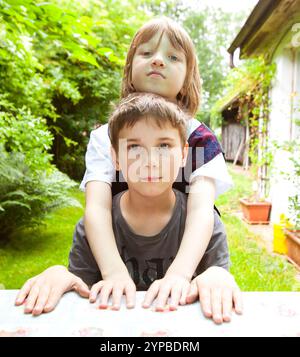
{"points": [[192, 125], [98, 160], [216, 169]]}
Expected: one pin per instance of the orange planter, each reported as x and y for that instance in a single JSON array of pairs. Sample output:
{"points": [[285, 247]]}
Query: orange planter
{"points": [[293, 246], [255, 212]]}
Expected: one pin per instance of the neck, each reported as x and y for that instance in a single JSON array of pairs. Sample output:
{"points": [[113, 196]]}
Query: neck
{"points": [[135, 203]]}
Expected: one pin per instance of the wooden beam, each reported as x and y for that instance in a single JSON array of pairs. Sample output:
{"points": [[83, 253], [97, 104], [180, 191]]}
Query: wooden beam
{"points": [[238, 152]]}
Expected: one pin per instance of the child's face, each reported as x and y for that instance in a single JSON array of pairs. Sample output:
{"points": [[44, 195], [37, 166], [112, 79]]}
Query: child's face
{"points": [[159, 68], [150, 157]]}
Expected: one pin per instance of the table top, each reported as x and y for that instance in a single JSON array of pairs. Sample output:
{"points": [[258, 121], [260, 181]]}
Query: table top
{"points": [[265, 314]]}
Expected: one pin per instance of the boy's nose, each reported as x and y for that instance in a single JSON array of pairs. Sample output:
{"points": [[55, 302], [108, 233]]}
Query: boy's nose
{"points": [[151, 159]]}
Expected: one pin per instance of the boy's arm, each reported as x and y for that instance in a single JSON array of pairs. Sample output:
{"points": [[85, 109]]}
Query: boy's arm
{"points": [[198, 231], [43, 291], [215, 286], [100, 235]]}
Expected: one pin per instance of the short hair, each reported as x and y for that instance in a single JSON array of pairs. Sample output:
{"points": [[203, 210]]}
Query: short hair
{"points": [[149, 106], [190, 94]]}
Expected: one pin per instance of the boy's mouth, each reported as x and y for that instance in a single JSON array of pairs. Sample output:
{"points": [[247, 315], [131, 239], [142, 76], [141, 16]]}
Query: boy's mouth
{"points": [[151, 179]]}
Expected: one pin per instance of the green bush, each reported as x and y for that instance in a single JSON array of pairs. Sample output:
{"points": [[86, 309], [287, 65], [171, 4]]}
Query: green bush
{"points": [[26, 195], [62, 61], [24, 133], [30, 186]]}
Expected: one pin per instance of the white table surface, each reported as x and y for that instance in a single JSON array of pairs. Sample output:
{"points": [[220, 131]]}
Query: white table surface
{"points": [[265, 314]]}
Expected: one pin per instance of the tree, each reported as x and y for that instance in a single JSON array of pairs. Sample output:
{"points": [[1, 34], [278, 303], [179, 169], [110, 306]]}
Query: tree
{"points": [[63, 61], [59, 70]]}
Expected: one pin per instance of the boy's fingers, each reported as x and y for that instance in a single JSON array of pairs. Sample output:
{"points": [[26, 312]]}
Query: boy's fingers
{"points": [[24, 291], [41, 300], [162, 298], [104, 295], [238, 301], [31, 299], [184, 294], [150, 295], [175, 297], [116, 297], [96, 288], [53, 299], [216, 304], [227, 304], [130, 296], [192, 292], [82, 289], [205, 301]]}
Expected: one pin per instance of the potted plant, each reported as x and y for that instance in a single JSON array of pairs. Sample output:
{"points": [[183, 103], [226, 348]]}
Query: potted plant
{"points": [[255, 210], [293, 244]]}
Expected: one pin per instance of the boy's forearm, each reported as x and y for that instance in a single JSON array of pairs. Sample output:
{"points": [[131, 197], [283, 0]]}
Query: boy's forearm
{"points": [[100, 235], [198, 228]]}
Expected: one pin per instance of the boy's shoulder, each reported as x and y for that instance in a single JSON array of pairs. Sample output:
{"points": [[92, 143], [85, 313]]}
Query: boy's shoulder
{"points": [[180, 195]]}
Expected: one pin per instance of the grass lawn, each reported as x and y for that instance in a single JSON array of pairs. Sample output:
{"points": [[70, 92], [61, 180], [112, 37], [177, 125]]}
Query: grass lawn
{"points": [[254, 268], [31, 251]]}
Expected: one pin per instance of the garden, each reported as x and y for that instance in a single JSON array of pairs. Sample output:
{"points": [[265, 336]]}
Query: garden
{"points": [[61, 65]]}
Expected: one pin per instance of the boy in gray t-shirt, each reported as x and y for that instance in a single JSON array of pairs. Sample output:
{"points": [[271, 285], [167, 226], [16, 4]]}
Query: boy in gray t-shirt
{"points": [[148, 136], [147, 258]]}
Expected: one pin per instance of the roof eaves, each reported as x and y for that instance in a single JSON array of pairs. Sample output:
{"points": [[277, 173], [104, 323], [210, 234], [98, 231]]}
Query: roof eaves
{"points": [[256, 19]]}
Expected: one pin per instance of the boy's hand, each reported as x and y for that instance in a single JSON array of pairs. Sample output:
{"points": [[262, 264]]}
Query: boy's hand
{"points": [[44, 290], [117, 285], [218, 293], [173, 285]]}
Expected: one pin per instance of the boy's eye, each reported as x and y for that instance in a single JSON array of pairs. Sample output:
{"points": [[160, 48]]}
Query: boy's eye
{"points": [[146, 53], [133, 147], [163, 147]]}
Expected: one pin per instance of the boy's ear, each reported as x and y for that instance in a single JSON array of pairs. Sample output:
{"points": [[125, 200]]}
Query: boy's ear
{"points": [[185, 152], [115, 158]]}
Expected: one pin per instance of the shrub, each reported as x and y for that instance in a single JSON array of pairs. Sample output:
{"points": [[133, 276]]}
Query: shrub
{"points": [[27, 195]]}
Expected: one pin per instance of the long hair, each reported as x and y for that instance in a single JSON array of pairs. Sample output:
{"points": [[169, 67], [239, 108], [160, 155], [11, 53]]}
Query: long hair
{"points": [[190, 94]]}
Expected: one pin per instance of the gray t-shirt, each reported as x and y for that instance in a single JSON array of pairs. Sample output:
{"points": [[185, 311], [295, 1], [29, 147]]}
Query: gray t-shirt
{"points": [[147, 258]]}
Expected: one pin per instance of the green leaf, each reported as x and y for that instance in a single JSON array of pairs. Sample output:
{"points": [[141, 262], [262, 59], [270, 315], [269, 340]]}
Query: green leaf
{"points": [[10, 203], [84, 56]]}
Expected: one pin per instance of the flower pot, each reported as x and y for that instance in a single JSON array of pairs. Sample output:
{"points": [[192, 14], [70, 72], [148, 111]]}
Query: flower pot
{"points": [[293, 246], [257, 212]]}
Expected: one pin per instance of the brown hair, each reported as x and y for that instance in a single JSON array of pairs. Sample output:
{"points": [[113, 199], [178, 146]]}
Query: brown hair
{"points": [[189, 96], [137, 106]]}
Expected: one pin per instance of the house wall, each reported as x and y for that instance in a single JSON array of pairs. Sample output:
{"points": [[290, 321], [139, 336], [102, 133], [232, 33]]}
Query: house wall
{"points": [[285, 99]]}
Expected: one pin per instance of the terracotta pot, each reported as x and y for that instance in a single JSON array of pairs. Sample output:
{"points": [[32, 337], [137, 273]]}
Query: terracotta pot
{"points": [[293, 246], [255, 212]]}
